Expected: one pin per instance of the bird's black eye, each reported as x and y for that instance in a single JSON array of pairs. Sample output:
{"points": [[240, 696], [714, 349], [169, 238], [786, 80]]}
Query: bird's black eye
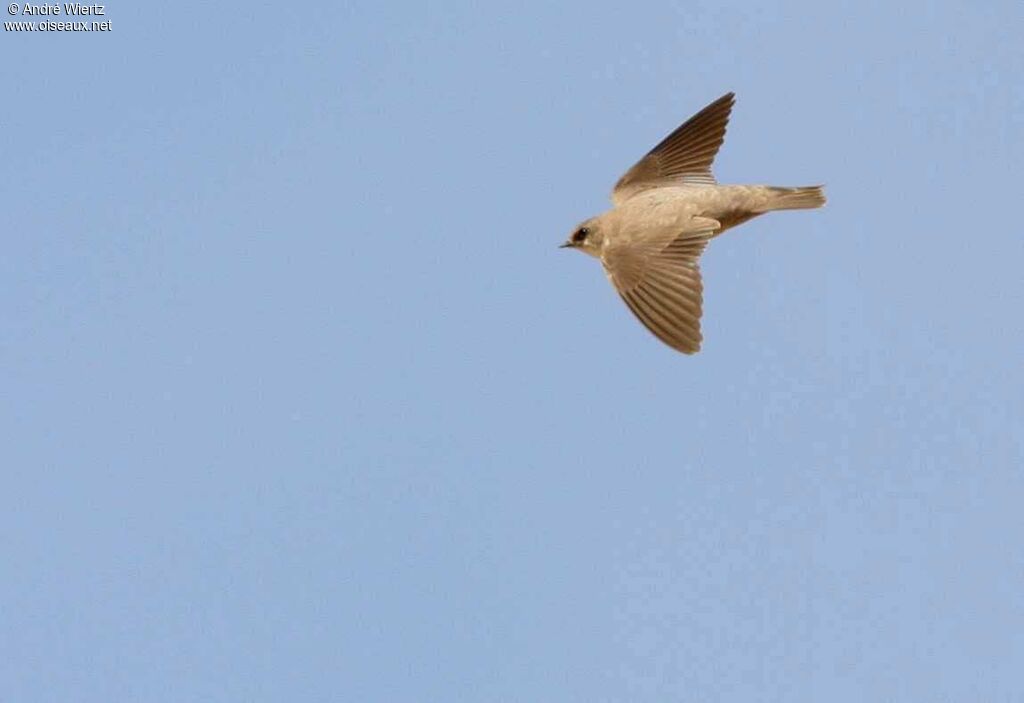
{"points": [[580, 235]]}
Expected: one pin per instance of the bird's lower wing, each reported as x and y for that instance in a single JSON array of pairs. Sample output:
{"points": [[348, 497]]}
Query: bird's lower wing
{"points": [[662, 284]]}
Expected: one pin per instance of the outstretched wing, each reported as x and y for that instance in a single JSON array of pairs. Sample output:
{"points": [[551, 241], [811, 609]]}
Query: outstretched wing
{"points": [[661, 284], [685, 156]]}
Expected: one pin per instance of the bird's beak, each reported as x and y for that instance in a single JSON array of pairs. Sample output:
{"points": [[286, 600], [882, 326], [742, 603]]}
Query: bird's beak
{"points": [[567, 245]]}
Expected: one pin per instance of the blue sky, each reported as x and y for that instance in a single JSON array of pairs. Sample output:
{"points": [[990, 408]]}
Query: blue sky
{"points": [[302, 402]]}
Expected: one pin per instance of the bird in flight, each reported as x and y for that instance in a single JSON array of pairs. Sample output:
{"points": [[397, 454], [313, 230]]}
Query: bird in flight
{"points": [[667, 208]]}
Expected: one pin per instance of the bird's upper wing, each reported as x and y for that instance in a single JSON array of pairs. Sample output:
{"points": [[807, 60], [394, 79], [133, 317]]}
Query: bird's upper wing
{"points": [[685, 156], [660, 282]]}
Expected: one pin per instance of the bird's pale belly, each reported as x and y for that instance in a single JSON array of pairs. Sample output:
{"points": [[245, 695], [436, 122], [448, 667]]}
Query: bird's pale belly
{"points": [[730, 205]]}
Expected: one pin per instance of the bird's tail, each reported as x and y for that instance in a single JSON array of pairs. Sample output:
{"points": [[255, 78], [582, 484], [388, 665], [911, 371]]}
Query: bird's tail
{"points": [[804, 198]]}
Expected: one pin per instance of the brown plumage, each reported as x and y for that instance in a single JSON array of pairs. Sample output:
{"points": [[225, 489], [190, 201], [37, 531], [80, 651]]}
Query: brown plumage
{"points": [[666, 209]]}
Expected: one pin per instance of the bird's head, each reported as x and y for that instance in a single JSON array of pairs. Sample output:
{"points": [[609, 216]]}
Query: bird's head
{"points": [[587, 237]]}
